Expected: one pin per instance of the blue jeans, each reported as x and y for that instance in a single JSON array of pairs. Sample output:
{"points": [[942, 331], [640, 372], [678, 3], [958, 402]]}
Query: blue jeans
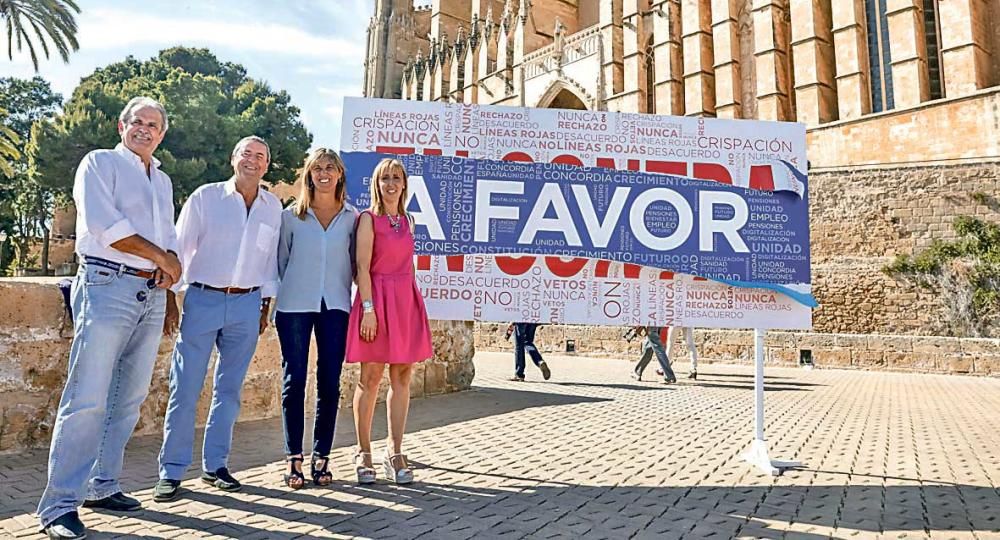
{"points": [[209, 319], [653, 345], [294, 329], [117, 331], [524, 341]]}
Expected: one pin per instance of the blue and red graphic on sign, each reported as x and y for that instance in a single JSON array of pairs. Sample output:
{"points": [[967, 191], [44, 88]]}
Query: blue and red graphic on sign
{"points": [[740, 236]]}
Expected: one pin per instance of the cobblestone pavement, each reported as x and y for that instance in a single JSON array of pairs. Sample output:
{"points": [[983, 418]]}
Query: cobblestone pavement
{"points": [[593, 454]]}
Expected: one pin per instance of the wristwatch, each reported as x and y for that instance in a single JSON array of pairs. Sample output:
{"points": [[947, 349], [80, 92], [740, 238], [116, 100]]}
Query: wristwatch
{"points": [[367, 306]]}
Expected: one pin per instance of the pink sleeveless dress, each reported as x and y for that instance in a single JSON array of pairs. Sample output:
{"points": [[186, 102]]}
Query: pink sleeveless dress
{"points": [[404, 334]]}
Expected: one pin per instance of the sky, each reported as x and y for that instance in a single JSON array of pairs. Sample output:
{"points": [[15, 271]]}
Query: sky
{"points": [[313, 49]]}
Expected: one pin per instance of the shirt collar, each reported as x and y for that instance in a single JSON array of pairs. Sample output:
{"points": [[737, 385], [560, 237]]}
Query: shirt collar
{"points": [[345, 207], [132, 156], [229, 188]]}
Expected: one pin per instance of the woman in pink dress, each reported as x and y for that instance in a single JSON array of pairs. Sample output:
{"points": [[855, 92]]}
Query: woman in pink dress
{"points": [[388, 323]]}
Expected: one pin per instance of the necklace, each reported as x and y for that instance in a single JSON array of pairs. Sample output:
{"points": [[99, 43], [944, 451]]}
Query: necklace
{"points": [[394, 222]]}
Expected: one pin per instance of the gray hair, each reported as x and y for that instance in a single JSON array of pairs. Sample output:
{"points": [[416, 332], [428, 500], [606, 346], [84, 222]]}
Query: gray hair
{"points": [[251, 138], [139, 102]]}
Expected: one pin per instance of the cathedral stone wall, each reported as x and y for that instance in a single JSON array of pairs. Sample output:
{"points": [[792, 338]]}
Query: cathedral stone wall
{"points": [[891, 165]]}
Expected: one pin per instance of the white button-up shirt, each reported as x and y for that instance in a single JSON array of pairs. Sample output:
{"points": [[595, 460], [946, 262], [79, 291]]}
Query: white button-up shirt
{"points": [[223, 245], [115, 199]]}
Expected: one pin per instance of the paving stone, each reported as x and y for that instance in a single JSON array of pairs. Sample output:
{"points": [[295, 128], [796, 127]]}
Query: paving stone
{"points": [[592, 454]]}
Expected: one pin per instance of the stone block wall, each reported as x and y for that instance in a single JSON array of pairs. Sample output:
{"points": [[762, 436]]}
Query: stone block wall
{"points": [[861, 219], [35, 337], [920, 354], [879, 212]]}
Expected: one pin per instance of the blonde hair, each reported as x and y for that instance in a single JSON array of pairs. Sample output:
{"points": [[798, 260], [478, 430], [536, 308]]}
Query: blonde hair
{"points": [[307, 186], [384, 166]]}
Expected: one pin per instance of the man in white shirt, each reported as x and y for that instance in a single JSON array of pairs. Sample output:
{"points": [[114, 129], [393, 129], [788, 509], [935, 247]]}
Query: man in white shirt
{"points": [[127, 247], [228, 241]]}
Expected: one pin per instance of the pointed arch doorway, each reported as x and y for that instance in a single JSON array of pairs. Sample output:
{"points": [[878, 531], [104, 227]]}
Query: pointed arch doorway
{"points": [[566, 100], [562, 93]]}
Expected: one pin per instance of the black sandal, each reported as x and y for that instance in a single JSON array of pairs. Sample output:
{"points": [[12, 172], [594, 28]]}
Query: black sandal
{"points": [[295, 474], [321, 476]]}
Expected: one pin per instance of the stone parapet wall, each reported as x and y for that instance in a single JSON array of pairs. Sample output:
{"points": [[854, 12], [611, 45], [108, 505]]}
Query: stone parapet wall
{"points": [[885, 211], [35, 337], [920, 354], [960, 127], [861, 219], [856, 297]]}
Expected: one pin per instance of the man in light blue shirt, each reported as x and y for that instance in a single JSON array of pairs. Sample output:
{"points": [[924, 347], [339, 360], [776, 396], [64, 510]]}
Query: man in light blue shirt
{"points": [[127, 248]]}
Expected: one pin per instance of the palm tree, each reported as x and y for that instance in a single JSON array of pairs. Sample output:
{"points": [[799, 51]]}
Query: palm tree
{"points": [[48, 20], [8, 147]]}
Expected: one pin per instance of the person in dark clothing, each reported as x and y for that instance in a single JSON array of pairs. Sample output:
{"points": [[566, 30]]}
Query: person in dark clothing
{"points": [[524, 341]]}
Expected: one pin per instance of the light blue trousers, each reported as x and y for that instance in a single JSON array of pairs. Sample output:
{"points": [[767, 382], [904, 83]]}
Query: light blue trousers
{"points": [[209, 319], [118, 323]]}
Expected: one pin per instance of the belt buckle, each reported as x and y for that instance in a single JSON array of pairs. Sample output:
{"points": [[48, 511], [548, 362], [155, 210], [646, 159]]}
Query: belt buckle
{"points": [[227, 289]]}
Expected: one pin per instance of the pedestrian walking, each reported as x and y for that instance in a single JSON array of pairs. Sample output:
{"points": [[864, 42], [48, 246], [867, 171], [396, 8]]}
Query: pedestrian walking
{"points": [[524, 342], [653, 345], [692, 350]]}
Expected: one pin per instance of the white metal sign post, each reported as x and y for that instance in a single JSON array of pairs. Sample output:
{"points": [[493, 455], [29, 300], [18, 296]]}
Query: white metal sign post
{"points": [[757, 454]]}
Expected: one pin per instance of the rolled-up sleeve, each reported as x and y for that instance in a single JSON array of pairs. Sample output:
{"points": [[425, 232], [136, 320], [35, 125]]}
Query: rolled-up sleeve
{"points": [[269, 289], [186, 235], [170, 238], [93, 194], [285, 242]]}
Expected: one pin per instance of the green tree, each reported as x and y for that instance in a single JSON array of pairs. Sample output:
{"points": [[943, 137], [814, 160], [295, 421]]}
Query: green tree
{"points": [[24, 203], [44, 20], [965, 273], [9, 142], [211, 104]]}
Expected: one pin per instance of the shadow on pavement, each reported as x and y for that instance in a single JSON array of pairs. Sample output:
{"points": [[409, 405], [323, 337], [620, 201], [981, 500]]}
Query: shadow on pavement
{"points": [[461, 510], [740, 375], [617, 386], [738, 385], [141, 455]]}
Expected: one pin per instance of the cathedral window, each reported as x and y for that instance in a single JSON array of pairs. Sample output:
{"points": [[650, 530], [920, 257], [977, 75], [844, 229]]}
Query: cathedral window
{"points": [[932, 35], [879, 59], [650, 61]]}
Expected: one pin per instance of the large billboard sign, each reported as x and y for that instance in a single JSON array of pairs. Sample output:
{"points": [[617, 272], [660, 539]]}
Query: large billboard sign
{"points": [[646, 244]]}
